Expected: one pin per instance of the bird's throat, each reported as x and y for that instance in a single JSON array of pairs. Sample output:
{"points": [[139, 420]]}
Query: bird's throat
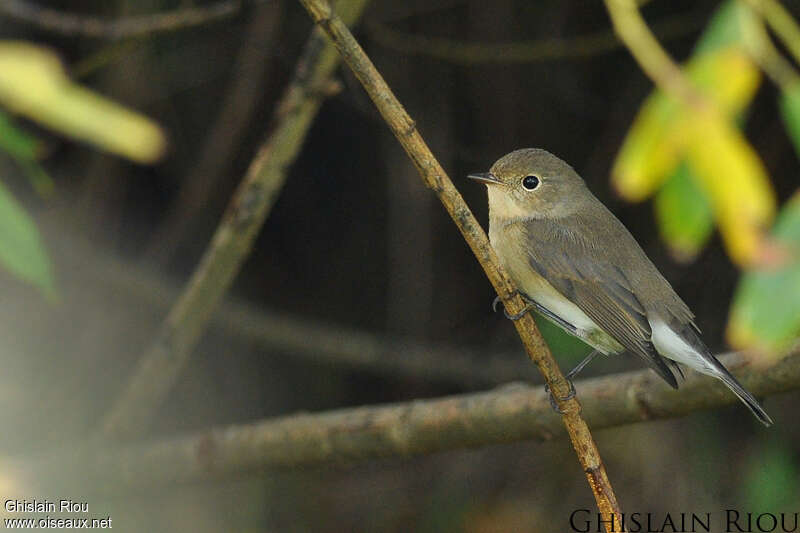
{"points": [[502, 206]]}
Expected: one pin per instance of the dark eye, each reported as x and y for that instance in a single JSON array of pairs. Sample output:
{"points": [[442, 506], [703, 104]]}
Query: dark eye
{"points": [[530, 182]]}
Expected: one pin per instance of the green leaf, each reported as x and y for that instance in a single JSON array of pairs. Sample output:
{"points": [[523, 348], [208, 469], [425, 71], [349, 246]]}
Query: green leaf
{"points": [[683, 213], [790, 112], [15, 141], [24, 148], [21, 249], [731, 24], [765, 314]]}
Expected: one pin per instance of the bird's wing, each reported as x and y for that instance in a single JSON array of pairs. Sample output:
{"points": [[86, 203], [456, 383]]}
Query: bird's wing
{"points": [[599, 288]]}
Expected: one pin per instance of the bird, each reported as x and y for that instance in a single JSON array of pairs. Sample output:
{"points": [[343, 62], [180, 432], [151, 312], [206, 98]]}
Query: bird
{"points": [[576, 263]]}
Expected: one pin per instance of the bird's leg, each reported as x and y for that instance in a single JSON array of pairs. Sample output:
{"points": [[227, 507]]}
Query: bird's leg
{"points": [[586, 360], [530, 304], [571, 374]]}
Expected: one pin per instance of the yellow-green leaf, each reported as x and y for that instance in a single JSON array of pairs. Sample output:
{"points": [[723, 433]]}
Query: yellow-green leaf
{"points": [[656, 141], [683, 213], [21, 250], [727, 77], [732, 24], [765, 314], [33, 83], [650, 150], [721, 70], [733, 176]]}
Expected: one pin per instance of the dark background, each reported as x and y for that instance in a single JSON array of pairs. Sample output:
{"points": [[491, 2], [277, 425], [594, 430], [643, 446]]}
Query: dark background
{"points": [[355, 241]]}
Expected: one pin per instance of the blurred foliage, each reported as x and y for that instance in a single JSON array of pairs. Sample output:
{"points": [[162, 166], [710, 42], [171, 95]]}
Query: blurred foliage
{"points": [[790, 111], [15, 141], [683, 213], [33, 84], [765, 314], [24, 148], [732, 174], [703, 171], [666, 133], [21, 249]]}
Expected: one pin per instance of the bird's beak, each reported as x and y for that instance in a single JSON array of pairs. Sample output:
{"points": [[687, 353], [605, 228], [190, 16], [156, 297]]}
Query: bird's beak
{"points": [[486, 177]]}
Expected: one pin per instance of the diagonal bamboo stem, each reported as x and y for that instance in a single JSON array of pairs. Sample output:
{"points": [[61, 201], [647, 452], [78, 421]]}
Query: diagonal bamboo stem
{"points": [[436, 178], [161, 365]]}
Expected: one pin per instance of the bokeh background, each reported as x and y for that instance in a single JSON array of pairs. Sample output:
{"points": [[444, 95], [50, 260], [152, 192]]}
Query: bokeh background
{"points": [[355, 243]]}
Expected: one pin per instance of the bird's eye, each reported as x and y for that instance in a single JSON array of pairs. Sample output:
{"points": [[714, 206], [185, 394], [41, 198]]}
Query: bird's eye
{"points": [[530, 182]]}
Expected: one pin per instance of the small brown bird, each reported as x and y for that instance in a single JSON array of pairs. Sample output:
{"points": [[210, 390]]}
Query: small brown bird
{"points": [[577, 264]]}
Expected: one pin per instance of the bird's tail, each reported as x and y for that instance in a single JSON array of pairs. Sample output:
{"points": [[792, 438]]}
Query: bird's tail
{"points": [[747, 398]]}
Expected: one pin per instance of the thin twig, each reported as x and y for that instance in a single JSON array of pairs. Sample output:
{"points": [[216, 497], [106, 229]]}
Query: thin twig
{"points": [[760, 47], [781, 21], [645, 48], [72, 24], [436, 178], [346, 436], [477, 53], [161, 364]]}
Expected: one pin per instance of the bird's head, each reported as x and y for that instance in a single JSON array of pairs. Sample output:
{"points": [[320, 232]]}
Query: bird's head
{"points": [[532, 183]]}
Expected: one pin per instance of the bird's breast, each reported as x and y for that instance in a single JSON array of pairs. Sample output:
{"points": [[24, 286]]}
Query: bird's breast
{"points": [[510, 242]]}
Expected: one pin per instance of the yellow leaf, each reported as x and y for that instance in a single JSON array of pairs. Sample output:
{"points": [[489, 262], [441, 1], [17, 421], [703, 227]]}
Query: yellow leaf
{"points": [[727, 77], [650, 151], [736, 181], [33, 83], [656, 141]]}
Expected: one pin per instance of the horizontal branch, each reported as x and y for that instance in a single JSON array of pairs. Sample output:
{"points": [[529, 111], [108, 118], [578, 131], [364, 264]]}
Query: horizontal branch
{"points": [[73, 24], [506, 414]]}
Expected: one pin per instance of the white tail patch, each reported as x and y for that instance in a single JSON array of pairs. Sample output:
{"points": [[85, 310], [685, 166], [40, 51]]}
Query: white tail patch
{"points": [[672, 346]]}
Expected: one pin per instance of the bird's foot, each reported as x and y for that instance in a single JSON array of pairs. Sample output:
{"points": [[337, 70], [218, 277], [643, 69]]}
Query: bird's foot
{"points": [[570, 395], [528, 306]]}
